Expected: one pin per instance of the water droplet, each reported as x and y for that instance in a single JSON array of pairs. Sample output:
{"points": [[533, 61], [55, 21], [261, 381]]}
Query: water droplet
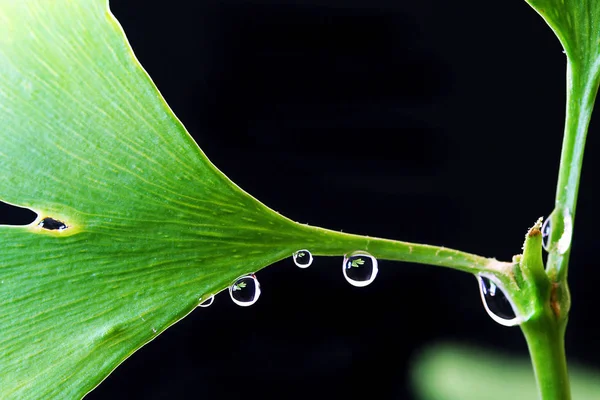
{"points": [[546, 231], [303, 258], [567, 235], [497, 305], [208, 302], [245, 290], [360, 268], [564, 241]]}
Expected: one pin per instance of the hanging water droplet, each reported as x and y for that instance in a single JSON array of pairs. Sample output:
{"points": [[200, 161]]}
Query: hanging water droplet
{"points": [[245, 290], [497, 305], [208, 302], [302, 258], [566, 226], [360, 268], [546, 232]]}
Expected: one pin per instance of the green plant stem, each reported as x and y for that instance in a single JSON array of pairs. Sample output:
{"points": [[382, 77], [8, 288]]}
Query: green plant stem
{"points": [[325, 242], [545, 339], [544, 332], [582, 86]]}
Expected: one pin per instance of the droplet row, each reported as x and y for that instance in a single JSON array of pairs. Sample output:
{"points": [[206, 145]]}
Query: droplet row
{"points": [[360, 269]]}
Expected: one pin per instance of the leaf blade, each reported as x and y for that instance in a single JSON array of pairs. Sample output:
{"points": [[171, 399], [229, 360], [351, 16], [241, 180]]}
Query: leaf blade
{"points": [[143, 204]]}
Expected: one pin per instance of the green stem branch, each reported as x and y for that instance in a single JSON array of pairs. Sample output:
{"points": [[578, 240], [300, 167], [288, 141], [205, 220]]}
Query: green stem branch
{"points": [[545, 330], [325, 242], [582, 86]]}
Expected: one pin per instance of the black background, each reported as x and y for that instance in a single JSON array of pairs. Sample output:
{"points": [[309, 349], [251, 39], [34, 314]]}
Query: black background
{"points": [[445, 117]]}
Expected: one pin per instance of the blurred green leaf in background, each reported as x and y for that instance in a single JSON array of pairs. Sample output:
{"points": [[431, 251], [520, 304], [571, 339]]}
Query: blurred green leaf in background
{"points": [[451, 371]]}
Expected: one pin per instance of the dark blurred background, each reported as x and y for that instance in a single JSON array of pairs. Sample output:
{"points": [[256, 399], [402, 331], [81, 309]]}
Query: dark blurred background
{"points": [[446, 116]]}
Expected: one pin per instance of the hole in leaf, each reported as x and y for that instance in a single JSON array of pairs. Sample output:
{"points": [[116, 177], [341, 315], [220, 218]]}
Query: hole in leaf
{"points": [[13, 215], [52, 224]]}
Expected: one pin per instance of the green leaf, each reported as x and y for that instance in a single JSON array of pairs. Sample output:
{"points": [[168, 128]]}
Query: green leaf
{"points": [[455, 372], [151, 226], [575, 23]]}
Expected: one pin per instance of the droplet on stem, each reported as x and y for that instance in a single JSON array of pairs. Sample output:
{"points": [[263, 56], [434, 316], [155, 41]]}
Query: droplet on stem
{"points": [[302, 258], [564, 241], [496, 303], [360, 268], [546, 232], [245, 291]]}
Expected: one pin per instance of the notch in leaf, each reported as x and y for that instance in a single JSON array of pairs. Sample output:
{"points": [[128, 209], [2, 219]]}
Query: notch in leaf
{"points": [[52, 224]]}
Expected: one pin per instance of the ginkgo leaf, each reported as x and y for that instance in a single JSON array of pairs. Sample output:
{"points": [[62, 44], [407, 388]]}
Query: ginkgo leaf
{"points": [[575, 23], [135, 226], [151, 226]]}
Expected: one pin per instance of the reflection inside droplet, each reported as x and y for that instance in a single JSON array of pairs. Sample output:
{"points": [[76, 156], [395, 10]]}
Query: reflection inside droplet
{"points": [[546, 232], [245, 291], [360, 268], [302, 258], [497, 305]]}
